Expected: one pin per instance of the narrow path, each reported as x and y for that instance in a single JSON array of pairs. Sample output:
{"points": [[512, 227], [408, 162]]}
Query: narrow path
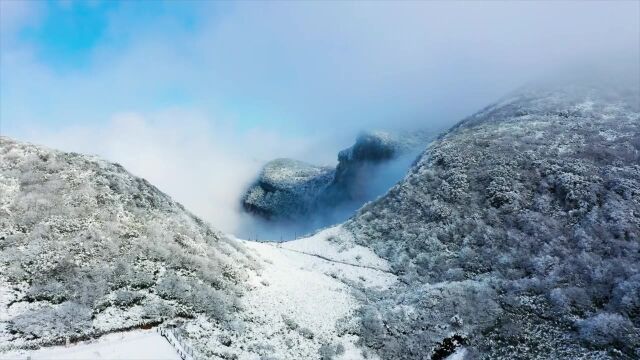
{"points": [[336, 261]]}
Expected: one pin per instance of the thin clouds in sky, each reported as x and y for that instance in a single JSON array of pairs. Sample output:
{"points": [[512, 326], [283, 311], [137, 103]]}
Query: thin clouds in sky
{"points": [[309, 66]]}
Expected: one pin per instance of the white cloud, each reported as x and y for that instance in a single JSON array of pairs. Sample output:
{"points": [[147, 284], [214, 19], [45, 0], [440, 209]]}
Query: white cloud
{"points": [[320, 67], [203, 164]]}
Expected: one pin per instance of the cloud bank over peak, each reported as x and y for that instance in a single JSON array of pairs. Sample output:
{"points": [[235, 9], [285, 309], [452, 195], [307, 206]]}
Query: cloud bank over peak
{"points": [[214, 89], [202, 164]]}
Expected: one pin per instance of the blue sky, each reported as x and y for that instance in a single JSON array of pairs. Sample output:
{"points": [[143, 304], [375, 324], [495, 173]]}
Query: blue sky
{"points": [[207, 91], [66, 34], [288, 66], [71, 43]]}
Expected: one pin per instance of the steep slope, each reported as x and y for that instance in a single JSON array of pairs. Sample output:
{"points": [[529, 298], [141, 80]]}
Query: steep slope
{"points": [[355, 164], [286, 188], [86, 248], [301, 303], [517, 234]]}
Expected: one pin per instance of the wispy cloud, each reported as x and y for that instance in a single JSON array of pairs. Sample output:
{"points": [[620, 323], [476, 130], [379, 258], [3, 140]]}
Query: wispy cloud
{"points": [[202, 163]]}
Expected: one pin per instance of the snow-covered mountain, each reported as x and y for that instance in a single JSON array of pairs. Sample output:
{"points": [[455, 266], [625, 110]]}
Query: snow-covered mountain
{"points": [[291, 190], [86, 248], [286, 188], [516, 235]]}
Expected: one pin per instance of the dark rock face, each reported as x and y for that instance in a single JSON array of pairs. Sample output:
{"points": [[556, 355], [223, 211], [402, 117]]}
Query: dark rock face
{"points": [[352, 172], [519, 231], [289, 189]]}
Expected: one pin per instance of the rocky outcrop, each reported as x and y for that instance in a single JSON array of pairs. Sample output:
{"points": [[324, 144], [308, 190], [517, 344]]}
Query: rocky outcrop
{"points": [[354, 163], [288, 189]]}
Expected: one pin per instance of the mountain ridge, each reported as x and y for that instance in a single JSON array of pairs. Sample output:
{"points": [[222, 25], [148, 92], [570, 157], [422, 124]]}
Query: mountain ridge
{"points": [[88, 249], [503, 216]]}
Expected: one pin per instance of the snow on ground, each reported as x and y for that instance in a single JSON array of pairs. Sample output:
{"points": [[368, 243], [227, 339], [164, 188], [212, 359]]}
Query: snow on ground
{"points": [[300, 303], [458, 355], [7, 295], [133, 345], [337, 244], [301, 281]]}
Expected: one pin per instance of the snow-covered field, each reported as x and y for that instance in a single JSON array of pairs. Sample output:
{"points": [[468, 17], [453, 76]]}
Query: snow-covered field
{"points": [[337, 245], [302, 281], [300, 305], [133, 345]]}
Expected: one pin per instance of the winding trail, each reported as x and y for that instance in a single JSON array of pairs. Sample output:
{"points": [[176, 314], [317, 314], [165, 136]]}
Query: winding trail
{"points": [[336, 261]]}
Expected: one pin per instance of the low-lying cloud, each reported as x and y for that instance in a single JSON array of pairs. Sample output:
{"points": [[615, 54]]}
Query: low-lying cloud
{"points": [[202, 164], [198, 106]]}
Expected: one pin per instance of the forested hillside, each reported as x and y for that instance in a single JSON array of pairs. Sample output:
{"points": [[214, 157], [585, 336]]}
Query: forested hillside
{"points": [[86, 248], [516, 234]]}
